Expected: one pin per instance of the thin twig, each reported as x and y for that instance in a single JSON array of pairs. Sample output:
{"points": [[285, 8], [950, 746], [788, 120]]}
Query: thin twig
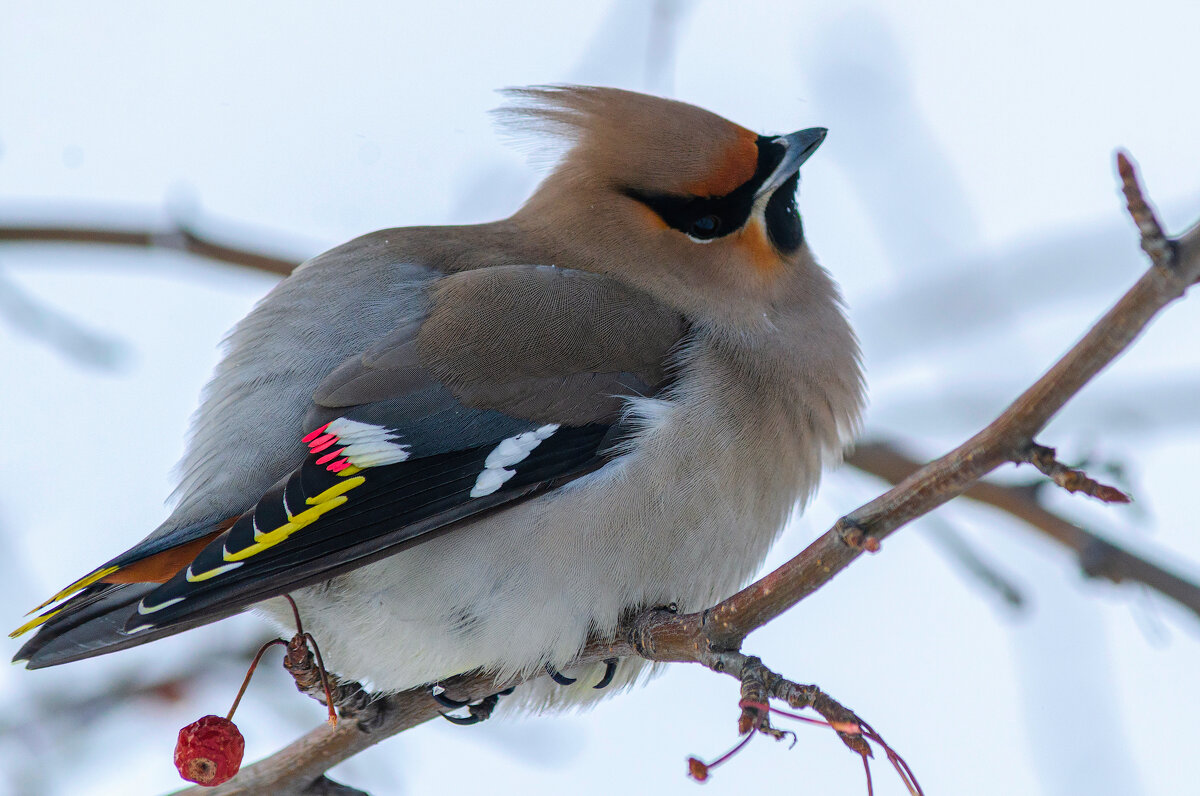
{"points": [[1068, 478], [1098, 557], [1154, 241]]}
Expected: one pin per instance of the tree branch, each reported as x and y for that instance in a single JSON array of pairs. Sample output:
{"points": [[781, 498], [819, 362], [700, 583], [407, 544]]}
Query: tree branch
{"points": [[1098, 558], [1001, 442], [713, 637]]}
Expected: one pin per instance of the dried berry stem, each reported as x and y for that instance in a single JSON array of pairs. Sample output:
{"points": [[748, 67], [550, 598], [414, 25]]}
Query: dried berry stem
{"points": [[333, 719], [295, 614], [250, 673]]}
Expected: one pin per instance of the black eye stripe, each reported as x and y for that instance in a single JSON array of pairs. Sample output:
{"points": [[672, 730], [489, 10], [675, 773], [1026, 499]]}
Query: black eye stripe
{"points": [[685, 213]]}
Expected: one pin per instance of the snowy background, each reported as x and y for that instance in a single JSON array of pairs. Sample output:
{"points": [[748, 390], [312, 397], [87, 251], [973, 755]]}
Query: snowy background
{"points": [[965, 199]]}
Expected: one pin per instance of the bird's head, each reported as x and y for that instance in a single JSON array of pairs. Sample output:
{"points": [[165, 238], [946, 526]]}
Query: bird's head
{"points": [[683, 203]]}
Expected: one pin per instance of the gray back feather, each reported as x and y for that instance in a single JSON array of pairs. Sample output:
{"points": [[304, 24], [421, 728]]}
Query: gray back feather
{"points": [[246, 433]]}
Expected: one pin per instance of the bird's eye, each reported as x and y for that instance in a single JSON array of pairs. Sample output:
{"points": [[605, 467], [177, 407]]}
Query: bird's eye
{"points": [[702, 218], [705, 227]]}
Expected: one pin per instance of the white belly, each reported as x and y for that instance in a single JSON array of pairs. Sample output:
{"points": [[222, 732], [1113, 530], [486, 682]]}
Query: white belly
{"points": [[686, 518]]}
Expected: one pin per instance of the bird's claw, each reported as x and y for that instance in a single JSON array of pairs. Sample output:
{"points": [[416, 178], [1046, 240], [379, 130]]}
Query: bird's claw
{"points": [[610, 669], [479, 711], [445, 701], [462, 721], [558, 676]]}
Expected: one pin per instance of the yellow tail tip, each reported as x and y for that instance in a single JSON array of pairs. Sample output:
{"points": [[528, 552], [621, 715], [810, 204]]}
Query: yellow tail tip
{"points": [[82, 583], [31, 624]]}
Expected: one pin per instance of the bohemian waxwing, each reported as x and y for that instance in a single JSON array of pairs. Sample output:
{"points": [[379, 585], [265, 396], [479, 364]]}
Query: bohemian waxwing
{"points": [[471, 447]]}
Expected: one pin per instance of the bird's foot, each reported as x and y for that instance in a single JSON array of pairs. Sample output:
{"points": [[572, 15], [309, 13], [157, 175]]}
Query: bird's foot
{"points": [[445, 701], [476, 712], [610, 669]]}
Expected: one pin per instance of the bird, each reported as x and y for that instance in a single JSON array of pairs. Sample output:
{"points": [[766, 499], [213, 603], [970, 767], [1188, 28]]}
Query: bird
{"points": [[474, 447]]}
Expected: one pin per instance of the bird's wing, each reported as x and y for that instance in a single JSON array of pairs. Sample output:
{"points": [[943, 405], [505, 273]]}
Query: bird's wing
{"points": [[512, 384]]}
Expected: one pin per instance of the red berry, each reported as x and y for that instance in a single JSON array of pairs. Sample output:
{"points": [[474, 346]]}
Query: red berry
{"points": [[209, 751]]}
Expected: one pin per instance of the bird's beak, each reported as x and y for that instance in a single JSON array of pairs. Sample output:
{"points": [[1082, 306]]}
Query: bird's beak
{"points": [[798, 147]]}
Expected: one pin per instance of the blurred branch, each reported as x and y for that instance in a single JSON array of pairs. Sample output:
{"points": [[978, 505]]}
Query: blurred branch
{"points": [[972, 561], [67, 715], [70, 338], [43, 323], [56, 722], [1098, 558], [177, 238], [713, 637]]}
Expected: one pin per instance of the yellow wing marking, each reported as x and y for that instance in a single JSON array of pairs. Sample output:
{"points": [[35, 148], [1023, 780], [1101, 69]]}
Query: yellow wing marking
{"points": [[272, 538], [334, 491], [82, 583], [326, 501]]}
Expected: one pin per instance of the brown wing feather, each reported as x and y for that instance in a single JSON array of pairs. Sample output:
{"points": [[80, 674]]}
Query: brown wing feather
{"points": [[536, 342], [161, 567], [496, 323]]}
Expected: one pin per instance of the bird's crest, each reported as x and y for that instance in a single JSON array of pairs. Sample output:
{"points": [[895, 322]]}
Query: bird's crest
{"points": [[631, 138]]}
